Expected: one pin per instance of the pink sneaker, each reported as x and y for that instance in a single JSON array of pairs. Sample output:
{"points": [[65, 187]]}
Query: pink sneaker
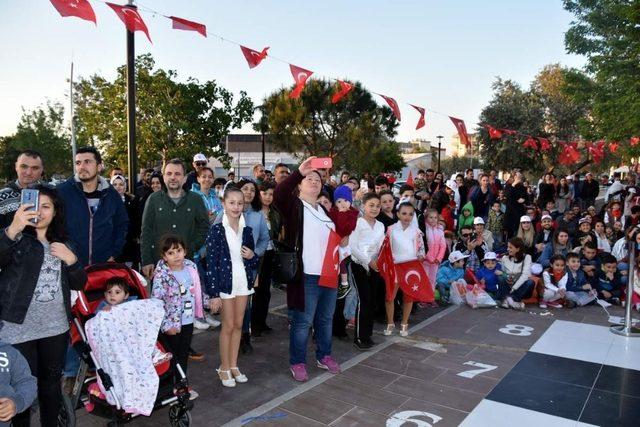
{"points": [[554, 304], [329, 364], [299, 372]]}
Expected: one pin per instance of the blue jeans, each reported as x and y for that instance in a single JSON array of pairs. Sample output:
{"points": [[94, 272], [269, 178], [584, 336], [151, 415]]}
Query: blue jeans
{"points": [[624, 279], [524, 291], [319, 305], [71, 363]]}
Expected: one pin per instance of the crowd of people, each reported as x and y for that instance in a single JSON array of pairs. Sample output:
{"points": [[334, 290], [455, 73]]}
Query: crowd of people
{"points": [[209, 246]]}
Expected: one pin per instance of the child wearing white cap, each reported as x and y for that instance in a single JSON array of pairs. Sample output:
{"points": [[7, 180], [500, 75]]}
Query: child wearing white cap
{"points": [[489, 273], [479, 228], [450, 271]]}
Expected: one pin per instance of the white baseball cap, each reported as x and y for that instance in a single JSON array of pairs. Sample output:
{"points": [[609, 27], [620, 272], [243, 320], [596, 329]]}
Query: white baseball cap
{"points": [[632, 190], [478, 220], [545, 216], [536, 268], [456, 256], [452, 184], [200, 158], [525, 218], [489, 256]]}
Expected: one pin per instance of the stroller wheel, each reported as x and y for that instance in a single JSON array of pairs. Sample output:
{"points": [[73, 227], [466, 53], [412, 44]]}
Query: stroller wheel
{"points": [[179, 417], [67, 413]]}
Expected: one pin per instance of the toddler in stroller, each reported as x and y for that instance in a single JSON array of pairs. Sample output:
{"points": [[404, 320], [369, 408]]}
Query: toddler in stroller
{"points": [[119, 340]]}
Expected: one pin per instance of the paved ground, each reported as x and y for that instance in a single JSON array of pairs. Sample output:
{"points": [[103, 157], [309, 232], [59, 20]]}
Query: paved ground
{"points": [[401, 378]]}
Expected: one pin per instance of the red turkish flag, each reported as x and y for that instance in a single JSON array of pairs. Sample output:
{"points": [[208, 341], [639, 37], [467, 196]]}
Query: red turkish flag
{"points": [[300, 75], [545, 144], [613, 146], [493, 132], [183, 24], [410, 178], [509, 131], [345, 88], [393, 105], [530, 143], [79, 8], [421, 121], [569, 155], [331, 262], [462, 131], [253, 57], [131, 18], [413, 281], [386, 267], [635, 140], [597, 151]]}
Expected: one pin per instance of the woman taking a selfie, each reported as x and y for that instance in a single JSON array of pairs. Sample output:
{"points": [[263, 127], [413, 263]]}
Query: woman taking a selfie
{"points": [[38, 272]]}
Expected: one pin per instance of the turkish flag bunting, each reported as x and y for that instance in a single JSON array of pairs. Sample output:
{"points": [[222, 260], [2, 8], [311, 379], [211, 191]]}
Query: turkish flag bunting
{"points": [[300, 75], [613, 147], [131, 18], [635, 140], [530, 143], [345, 88], [421, 120], [331, 262], [386, 267], [462, 131], [253, 57], [183, 24], [410, 178], [569, 154], [545, 145], [393, 105], [493, 132], [413, 281], [597, 151], [78, 8], [509, 131]]}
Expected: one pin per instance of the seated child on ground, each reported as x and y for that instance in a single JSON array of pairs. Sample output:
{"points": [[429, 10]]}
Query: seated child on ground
{"points": [[590, 262], [450, 271], [609, 285], [579, 290], [489, 272], [555, 283], [345, 218]]}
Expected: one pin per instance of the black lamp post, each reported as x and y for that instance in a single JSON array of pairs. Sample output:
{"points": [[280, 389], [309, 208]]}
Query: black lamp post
{"points": [[439, 149]]}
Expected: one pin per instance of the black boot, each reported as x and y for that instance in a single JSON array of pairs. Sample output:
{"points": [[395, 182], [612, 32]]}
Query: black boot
{"points": [[245, 344]]}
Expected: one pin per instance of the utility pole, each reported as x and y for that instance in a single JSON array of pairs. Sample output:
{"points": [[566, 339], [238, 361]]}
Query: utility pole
{"points": [[73, 119], [131, 106], [439, 149]]}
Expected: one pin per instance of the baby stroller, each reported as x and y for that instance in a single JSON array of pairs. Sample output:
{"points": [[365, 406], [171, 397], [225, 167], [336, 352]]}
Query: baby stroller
{"points": [[177, 395]]}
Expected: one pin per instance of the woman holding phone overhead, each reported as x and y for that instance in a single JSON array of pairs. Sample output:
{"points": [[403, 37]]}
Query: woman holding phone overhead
{"points": [[38, 270]]}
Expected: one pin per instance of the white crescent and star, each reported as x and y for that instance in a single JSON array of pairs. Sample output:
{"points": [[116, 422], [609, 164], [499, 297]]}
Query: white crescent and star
{"points": [[409, 274]]}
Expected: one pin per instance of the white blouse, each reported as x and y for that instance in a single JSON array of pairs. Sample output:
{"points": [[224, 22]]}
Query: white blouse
{"points": [[315, 235], [365, 242], [405, 244]]}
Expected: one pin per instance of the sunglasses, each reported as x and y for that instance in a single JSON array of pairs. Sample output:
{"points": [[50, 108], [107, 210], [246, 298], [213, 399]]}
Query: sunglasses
{"points": [[466, 234], [201, 163]]}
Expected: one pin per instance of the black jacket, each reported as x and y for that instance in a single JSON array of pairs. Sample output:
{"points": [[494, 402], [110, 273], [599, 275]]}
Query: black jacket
{"points": [[20, 262]]}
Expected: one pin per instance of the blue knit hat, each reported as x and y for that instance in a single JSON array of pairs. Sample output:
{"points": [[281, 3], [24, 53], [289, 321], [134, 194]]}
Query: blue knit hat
{"points": [[343, 192]]}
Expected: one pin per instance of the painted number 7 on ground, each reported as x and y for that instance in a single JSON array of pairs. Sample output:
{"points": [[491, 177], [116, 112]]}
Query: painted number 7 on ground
{"points": [[473, 372]]}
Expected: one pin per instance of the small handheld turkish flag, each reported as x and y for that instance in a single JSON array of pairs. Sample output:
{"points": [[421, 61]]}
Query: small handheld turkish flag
{"points": [[183, 24], [78, 8], [131, 18], [410, 178], [413, 281], [462, 131], [421, 120], [253, 57], [345, 88], [300, 75], [387, 267], [331, 262], [393, 105]]}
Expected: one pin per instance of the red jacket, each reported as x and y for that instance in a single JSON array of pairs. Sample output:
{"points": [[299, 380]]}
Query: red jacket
{"points": [[345, 221]]}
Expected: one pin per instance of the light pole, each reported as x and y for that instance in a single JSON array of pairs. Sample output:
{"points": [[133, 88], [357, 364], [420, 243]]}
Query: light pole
{"points": [[131, 105], [439, 149]]}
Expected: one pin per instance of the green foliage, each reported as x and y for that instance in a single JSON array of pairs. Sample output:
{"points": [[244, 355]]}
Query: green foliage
{"points": [[459, 164], [356, 132], [174, 119], [42, 130], [607, 33]]}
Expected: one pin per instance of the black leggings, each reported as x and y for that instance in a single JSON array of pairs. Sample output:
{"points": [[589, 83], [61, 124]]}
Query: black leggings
{"points": [[179, 346], [262, 295], [46, 360]]}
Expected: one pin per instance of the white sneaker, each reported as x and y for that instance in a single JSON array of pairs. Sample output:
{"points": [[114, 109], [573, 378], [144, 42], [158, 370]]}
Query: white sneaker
{"points": [[211, 321], [199, 324], [543, 304]]}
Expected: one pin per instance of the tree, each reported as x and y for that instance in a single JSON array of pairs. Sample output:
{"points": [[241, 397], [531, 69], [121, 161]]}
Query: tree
{"points": [[356, 132], [174, 119], [41, 130], [606, 32], [458, 164]]}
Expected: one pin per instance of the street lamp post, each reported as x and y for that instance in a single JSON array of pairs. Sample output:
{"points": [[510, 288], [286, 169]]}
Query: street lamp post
{"points": [[439, 149], [131, 106]]}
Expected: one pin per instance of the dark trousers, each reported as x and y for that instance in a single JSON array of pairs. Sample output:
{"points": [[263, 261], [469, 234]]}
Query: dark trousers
{"points": [[523, 292], [179, 346], [46, 360], [365, 282], [262, 295]]}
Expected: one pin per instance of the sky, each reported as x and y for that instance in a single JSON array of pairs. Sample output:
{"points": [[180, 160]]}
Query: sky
{"points": [[442, 55]]}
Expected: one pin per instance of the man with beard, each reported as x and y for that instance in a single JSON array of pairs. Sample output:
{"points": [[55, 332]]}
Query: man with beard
{"points": [[95, 217], [29, 170]]}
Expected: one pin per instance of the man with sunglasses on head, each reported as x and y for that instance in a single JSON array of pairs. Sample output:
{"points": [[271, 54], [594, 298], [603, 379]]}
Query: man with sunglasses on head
{"points": [[199, 161], [473, 245]]}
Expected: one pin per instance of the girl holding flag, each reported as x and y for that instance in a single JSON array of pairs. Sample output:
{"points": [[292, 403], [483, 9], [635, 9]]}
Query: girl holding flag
{"points": [[311, 295], [401, 259]]}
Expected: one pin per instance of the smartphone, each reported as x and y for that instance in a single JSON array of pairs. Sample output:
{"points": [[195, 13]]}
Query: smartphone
{"points": [[322, 163], [32, 197], [364, 185]]}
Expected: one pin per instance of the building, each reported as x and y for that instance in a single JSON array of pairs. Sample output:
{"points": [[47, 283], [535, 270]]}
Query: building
{"points": [[458, 149], [415, 146]]}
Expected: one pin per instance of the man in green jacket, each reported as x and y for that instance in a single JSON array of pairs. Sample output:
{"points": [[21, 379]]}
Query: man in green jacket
{"points": [[174, 211]]}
